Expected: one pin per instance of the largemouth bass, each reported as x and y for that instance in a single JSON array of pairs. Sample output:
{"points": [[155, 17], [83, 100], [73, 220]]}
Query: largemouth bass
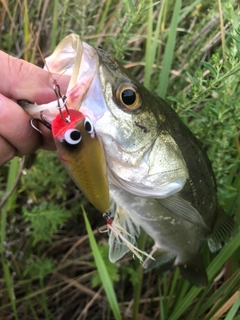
{"points": [[160, 178]]}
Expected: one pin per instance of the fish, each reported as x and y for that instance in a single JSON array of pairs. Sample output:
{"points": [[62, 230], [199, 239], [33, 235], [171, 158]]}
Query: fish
{"points": [[159, 176]]}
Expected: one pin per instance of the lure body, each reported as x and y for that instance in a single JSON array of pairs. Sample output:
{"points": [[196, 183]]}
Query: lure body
{"points": [[82, 155]]}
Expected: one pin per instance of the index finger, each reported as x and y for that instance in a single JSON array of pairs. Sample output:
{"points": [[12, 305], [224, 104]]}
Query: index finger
{"points": [[24, 80]]}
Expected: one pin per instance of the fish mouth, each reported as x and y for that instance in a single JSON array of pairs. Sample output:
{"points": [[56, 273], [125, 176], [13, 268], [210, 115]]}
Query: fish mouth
{"points": [[80, 62]]}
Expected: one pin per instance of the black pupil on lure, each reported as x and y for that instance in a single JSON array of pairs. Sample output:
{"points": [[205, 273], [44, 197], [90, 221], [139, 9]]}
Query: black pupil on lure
{"points": [[128, 97], [88, 126], [75, 135]]}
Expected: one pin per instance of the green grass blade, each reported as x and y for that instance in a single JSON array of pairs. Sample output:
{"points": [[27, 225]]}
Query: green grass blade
{"points": [[138, 286], [9, 206], [232, 312], [104, 14], [161, 303], [188, 9], [172, 290], [213, 303], [103, 273], [148, 53], [129, 6], [54, 26], [152, 43], [212, 270], [27, 33], [223, 256], [168, 55], [9, 285]]}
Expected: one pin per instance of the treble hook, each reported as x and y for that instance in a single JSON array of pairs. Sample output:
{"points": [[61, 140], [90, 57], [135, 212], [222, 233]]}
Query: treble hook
{"points": [[41, 120], [59, 96]]}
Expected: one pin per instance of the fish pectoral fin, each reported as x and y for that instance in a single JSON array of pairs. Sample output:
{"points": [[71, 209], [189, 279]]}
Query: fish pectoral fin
{"points": [[194, 271], [184, 210], [117, 249], [224, 228], [164, 261]]}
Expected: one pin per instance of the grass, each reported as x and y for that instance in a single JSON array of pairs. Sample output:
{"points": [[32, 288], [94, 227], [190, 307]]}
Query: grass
{"points": [[182, 51], [102, 270], [169, 51]]}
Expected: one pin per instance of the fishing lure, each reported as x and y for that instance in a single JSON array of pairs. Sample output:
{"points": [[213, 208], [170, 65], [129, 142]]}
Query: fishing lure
{"points": [[80, 151]]}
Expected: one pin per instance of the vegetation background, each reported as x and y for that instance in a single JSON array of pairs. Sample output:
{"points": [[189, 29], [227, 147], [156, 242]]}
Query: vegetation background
{"points": [[187, 52]]}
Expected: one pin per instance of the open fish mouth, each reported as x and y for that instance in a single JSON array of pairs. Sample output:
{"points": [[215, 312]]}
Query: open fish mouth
{"points": [[80, 61]]}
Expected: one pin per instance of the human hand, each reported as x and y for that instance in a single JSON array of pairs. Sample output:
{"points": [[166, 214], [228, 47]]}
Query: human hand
{"points": [[23, 80]]}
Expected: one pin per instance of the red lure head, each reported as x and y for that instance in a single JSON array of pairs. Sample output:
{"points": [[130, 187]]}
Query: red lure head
{"points": [[60, 125]]}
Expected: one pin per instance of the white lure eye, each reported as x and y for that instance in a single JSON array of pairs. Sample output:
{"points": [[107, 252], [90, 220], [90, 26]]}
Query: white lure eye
{"points": [[88, 125], [72, 136]]}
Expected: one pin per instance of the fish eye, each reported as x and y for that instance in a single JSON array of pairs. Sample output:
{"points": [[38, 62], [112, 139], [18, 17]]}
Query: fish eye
{"points": [[72, 136], [88, 125], [128, 97]]}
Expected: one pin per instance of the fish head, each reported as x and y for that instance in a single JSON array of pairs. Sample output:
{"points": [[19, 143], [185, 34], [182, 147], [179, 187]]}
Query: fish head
{"points": [[142, 157]]}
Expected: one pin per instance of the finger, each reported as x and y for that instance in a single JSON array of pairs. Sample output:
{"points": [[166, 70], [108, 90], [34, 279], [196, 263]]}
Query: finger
{"points": [[7, 151], [15, 128], [47, 142], [23, 80]]}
